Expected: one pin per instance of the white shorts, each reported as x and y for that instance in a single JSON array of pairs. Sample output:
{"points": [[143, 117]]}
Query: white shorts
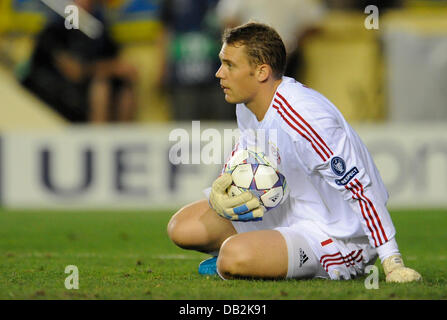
{"points": [[338, 259]]}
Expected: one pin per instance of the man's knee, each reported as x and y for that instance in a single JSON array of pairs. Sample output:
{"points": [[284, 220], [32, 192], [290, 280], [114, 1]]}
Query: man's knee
{"points": [[235, 259], [192, 228], [198, 227], [255, 254], [181, 230]]}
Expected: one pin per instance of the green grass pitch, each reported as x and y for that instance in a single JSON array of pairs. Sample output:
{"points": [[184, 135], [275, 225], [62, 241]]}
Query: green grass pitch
{"points": [[127, 255]]}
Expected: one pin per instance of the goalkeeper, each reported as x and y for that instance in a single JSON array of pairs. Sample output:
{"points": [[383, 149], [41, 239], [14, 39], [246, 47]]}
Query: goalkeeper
{"points": [[334, 222]]}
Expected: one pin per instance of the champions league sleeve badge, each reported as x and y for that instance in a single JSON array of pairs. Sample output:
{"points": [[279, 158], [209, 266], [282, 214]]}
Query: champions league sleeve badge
{"points": [[338, 166]]}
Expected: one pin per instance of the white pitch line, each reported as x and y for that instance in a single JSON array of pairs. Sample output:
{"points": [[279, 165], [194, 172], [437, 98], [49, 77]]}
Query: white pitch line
{"points": [[50, 254], [175, 257]]}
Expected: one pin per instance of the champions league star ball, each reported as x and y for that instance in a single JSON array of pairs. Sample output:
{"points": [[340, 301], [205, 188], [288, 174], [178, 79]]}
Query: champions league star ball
{"points": [[253, 171]]}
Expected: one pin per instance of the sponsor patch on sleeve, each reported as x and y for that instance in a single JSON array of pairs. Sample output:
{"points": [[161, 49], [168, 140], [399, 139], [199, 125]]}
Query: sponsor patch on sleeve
{"points": [[347, 177]]}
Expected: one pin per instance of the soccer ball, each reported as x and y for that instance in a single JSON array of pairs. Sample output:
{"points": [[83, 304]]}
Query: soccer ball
{"points": [[253, 171]]}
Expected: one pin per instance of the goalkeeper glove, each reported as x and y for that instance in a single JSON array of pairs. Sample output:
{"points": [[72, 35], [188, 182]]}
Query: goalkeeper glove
{"points": [[396, 271], [243, 207]]}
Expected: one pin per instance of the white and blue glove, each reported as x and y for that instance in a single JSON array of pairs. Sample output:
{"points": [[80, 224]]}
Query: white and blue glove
{"points": [[243, 207]]}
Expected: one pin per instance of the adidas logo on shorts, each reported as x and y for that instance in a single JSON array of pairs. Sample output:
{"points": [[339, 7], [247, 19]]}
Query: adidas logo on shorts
{"points": [[303, 257]]}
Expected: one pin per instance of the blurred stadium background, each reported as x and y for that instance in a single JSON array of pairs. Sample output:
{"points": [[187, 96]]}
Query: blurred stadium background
{"points": [[100, 195], [390, 83]]}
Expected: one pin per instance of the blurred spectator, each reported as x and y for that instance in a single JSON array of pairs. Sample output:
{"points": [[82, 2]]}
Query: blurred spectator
{"points": [[82, 78], [295, 20], [362, 4], [192, 45]]}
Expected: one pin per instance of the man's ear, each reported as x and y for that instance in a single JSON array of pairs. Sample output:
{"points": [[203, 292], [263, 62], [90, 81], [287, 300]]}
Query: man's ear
{"points": [[263, 72]]}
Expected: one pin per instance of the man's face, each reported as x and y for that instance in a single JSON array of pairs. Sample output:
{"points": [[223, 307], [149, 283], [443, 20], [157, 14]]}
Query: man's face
{"points": [[237, 76]]}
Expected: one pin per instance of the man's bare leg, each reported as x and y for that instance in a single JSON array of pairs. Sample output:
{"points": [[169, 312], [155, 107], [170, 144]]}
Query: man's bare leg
{"points": [[99, 100], [255, 254], [198, 227], [126, 109]]}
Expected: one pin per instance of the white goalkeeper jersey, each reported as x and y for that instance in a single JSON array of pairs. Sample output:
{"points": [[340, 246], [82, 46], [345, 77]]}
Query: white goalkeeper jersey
{"points": [[331, 176]]}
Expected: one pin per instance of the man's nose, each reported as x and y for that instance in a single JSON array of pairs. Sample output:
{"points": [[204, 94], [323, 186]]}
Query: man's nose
{"points": [[219, 73]]}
